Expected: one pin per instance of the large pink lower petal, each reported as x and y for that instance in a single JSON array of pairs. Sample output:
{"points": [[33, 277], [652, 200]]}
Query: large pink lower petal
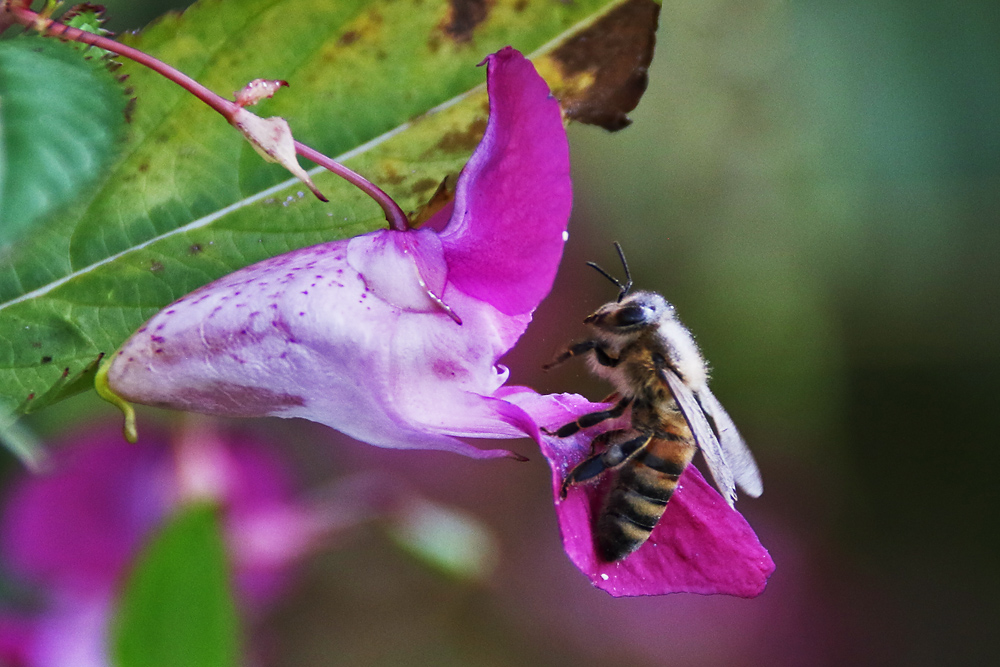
{"points": [[700, 545]]}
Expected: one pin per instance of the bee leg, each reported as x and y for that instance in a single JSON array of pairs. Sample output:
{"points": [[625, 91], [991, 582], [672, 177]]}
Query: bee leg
{"points": [[583, 347], [612, 458], [574, 350], [590, 419], [603, 358], [603, 439]]}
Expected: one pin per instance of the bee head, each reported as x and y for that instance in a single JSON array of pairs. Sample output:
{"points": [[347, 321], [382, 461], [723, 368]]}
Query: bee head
{"points": [[633, 313], [628, 313]]}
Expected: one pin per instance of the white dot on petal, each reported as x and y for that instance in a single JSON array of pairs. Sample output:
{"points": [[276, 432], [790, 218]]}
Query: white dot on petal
{"points": [[565, 235], [605, 577]]}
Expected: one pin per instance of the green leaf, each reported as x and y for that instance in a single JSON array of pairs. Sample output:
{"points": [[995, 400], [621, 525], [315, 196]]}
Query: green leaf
{"points": [[61, 121], [177, 607], [389, 86]]}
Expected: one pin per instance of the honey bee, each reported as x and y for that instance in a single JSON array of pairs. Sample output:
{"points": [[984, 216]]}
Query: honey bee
{"points": [[656, 368]]}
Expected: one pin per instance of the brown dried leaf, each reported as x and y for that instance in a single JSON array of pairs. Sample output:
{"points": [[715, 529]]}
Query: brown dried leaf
{"points": [[600, 74]]}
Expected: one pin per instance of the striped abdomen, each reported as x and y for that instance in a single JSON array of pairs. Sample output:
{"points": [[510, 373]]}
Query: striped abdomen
{"points": [[640, 494]]}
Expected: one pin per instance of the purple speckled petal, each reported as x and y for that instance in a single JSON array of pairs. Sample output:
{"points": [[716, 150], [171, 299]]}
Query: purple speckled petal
{"points": [[506, 235], [700, 545], [392, 337], [302, 335]]}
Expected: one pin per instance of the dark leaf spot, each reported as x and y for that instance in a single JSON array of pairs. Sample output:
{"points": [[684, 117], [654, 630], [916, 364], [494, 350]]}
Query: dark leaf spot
{"points": [[418, 187], [46, 359], [444, 194], [156, 266], [464, 16], [463, 141], [389, 175]]}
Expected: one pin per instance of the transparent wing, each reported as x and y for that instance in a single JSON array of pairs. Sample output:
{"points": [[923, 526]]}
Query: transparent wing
{"points": [[704, 435], [735, 450]]}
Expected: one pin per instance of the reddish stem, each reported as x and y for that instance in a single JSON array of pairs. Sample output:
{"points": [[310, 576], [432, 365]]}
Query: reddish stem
{"points": [[30, 19], [397, 219]]}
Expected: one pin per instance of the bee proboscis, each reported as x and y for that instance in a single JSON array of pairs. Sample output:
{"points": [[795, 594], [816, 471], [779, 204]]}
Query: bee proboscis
{"points": [[639, 346]]}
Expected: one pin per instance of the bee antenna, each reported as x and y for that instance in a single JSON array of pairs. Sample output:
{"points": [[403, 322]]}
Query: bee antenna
{"points": [[628, 274], [623, 289]]}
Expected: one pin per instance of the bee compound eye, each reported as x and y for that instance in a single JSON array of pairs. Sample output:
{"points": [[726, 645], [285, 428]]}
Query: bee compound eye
{"points": [[630, 315]]}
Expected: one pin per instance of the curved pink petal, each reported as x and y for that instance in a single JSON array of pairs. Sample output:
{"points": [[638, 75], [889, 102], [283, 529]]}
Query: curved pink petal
{"points": [[512, 204], [700, 545]]}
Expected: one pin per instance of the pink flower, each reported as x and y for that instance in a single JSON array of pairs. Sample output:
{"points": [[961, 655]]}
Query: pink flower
{"points": [[392, 337]]}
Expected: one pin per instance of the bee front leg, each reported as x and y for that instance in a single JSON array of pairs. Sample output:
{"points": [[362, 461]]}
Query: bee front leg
{"points": [[583, 347], [590, 419]]}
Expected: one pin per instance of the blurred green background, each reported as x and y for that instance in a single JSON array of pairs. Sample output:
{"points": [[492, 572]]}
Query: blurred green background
{"points": [[814, 184]]}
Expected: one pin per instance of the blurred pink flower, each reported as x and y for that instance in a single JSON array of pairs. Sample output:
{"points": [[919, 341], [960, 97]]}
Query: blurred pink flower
{"points": [[70, 534], [392, 337]]}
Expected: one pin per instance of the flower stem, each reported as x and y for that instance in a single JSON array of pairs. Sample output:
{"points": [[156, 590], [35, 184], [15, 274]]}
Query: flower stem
{"points": [[393, 213]]}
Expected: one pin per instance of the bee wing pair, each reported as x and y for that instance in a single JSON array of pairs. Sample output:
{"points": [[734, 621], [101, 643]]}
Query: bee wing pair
{"points": [[727, 455]]}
